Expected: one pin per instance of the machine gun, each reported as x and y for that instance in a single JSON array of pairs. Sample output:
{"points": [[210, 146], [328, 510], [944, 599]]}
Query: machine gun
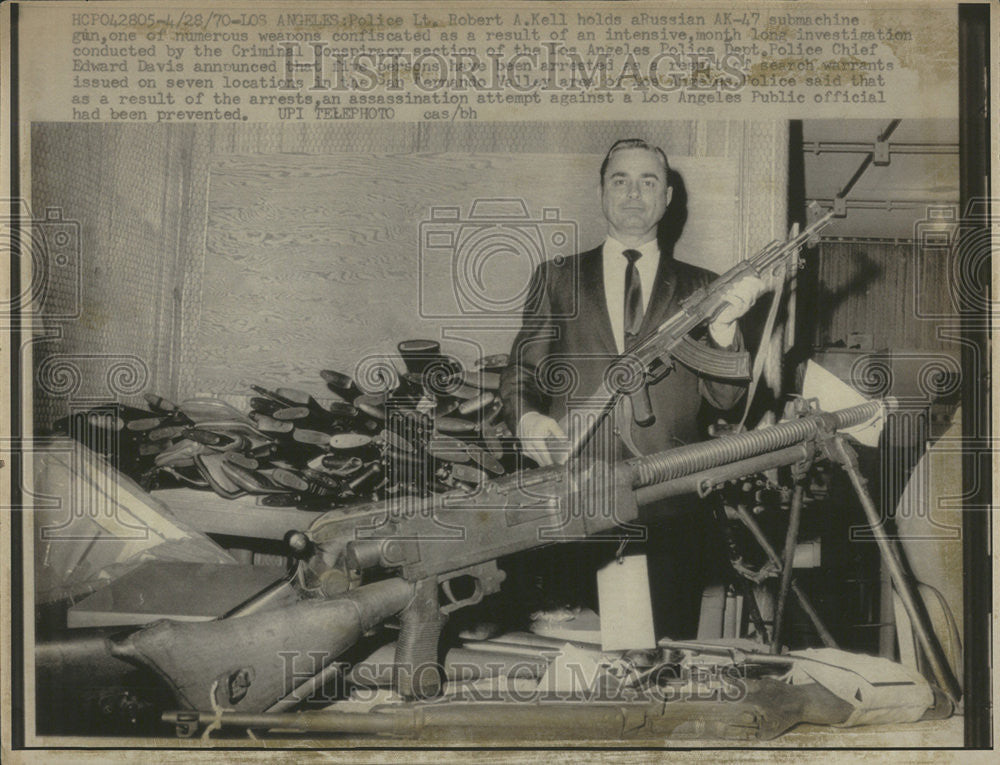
{"points": [[406, 558]]}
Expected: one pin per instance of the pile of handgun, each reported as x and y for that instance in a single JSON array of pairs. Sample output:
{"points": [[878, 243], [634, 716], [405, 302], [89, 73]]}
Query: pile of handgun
{"points": [[436, 428]]}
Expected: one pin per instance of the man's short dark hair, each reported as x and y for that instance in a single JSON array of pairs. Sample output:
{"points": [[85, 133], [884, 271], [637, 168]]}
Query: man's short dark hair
{"points": [[635, 143]]}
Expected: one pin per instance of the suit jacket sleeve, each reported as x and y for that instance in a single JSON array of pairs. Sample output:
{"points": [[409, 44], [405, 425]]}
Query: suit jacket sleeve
{"points": [[720, 393], [519, 389]]}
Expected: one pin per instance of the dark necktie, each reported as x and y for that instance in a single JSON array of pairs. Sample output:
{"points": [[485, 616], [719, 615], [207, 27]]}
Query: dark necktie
{"points": [[633, 298]]}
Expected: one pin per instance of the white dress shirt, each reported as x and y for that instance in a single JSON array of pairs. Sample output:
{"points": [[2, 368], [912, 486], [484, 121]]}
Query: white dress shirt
{"points": [[614, 281]]}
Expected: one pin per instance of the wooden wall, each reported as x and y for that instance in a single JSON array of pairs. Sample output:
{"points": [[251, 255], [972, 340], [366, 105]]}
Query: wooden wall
{"points": [[108, 300], [889, 290]]}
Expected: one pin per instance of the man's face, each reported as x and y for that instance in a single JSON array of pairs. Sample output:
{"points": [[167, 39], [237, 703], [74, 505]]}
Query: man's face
{"points": [[635, 195]]}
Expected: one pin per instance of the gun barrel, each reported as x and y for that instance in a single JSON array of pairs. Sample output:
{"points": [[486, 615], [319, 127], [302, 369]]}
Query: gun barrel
{"points": [[541, 718], [692, 483], [667, 473], [475, 718], [694, 458]]}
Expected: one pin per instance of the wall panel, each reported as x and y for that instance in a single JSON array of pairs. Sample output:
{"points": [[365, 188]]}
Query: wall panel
{"points": [[884, 289], [124, 186]]}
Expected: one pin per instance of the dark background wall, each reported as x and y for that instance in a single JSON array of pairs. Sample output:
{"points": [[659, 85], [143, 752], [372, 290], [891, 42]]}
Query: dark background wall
{"points": [[885, 290], [874, 276]]}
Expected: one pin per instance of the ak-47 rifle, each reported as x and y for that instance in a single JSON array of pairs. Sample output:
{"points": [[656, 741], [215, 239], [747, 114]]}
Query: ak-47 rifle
{"points": [[654, 357], [403, 558]]}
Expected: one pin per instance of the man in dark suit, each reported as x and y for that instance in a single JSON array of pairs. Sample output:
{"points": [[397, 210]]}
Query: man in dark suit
{"points": [[583, 311]]}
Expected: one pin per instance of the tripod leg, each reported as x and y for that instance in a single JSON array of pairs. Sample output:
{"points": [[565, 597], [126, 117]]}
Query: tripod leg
{"points": [[762, 540], [791, 539], [746, 590], [844, 454], [736, 577]]}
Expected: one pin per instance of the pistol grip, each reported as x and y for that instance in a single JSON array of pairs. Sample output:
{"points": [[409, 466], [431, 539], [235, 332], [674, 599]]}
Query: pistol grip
{"points": [[642, 408], [416, 671]]}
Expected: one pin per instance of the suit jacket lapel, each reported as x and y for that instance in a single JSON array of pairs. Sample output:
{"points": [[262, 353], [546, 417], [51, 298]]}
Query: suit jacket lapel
{"points": [[661, 301], [592, 292]]}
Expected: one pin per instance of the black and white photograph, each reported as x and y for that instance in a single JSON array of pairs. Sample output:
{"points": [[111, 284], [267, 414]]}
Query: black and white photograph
{"points": [[435, 420]]}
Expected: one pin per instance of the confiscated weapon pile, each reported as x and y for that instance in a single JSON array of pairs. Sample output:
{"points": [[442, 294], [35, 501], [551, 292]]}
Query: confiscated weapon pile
{"points": [[434, 428]]}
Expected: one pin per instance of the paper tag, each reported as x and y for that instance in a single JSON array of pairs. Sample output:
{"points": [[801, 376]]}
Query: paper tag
{"points": [[833, 393], [625, 605]]}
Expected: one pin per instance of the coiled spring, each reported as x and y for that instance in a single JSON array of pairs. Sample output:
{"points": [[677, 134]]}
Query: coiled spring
{"points": [[693, 458]]}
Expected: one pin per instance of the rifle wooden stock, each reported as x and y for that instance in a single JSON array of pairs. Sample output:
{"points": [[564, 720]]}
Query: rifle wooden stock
{"points": [[250, 662], [765, 709]]}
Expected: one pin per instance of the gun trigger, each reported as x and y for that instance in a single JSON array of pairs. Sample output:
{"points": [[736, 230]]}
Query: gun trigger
{"points": [[659, 368], [486, 577], [620, 553], [453, 603], [733, 365]]}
